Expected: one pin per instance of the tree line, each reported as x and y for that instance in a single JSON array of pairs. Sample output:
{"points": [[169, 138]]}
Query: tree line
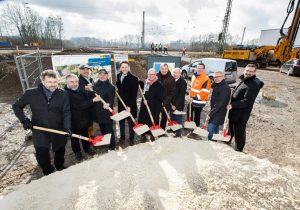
{"points": [[22, 25]]}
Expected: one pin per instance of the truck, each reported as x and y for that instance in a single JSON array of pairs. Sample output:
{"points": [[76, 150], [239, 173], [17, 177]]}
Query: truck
{"points": [[279, 53]]}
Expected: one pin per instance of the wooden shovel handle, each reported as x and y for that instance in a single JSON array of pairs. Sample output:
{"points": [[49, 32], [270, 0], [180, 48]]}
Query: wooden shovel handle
{"points": [[101, 99], [149, 111], [168, 116], [59, 132], [227, 112], [119, 97], [190, 110]]}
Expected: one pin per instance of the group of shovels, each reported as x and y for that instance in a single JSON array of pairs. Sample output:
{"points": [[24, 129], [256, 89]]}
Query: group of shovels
{"points": [[140, 129]]}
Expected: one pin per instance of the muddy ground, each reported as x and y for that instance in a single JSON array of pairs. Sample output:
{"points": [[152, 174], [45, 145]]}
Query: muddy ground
{"points": [[273, 131]]}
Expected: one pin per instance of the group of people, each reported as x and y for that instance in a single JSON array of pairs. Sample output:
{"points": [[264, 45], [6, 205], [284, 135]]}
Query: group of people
{"points": [[159, 48], [75, 108]]}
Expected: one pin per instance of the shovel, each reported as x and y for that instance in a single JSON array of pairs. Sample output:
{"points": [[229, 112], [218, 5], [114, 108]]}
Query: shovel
{"points": [[171, 124], [96, 141], [156, 130], [139, 129], [189, 124], [222, 136], [201, 131], [116, 116]]}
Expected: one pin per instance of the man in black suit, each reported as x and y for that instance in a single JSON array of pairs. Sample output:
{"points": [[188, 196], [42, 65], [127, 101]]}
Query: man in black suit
{"points": [[127, 85], [50, 108], [81, 119]]}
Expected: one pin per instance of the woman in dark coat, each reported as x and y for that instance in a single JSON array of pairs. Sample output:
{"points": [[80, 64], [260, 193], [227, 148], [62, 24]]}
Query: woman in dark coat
{"points": [[101, 111], [153, 92]]}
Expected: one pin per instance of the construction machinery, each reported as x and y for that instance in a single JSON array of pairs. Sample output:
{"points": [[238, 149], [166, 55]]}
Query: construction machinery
{"points": [[264, 55]]}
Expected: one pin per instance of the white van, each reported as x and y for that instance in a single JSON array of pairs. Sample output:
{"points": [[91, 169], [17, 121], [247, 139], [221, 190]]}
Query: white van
{"points": [[228, 67]]}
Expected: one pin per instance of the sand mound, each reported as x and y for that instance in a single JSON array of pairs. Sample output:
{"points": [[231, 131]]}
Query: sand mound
{"points": [[167, 174]]}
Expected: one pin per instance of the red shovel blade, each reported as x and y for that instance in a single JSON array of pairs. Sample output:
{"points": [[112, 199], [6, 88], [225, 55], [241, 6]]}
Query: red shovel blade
{"points": [[224, 132], [154, 127], [137, 125], [96, 140], [170, 123]]}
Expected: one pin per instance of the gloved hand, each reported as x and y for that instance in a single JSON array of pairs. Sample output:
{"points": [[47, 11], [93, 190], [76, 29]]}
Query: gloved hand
{"points": [[27, 124], [69, 133]]}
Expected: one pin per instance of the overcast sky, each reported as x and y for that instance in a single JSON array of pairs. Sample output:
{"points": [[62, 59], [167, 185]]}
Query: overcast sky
{"points": [[166, 20]]}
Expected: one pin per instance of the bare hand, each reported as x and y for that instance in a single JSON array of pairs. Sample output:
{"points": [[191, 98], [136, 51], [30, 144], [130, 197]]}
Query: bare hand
{"points": [[173, 107], [106, 106], [89, 87], [190, 100], [96, 99], [229, 106], [128, 109], [207, 118]]}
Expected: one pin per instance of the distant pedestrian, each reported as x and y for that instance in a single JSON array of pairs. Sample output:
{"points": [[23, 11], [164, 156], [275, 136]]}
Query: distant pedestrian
{"points": [[166, 48], [156, 47], [242, 100], [152, 47], [160, 47], [183, 51]]}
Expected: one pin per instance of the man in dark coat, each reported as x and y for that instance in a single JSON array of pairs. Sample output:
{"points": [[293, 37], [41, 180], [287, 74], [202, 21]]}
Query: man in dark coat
{"points": [[218, 102], [85, 80], [81, 119], [179, 97], [127, 85], [101, 111], [153, 92], [168, 82], [51, 109], [86, 83], [243, 98]]}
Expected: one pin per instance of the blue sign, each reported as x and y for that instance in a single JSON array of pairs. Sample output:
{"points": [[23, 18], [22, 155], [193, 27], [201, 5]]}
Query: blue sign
{"points": [[103, 60]]}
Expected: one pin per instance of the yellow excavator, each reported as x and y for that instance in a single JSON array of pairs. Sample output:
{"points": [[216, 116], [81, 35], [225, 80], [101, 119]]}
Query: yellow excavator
{"points": [[263, 55]]}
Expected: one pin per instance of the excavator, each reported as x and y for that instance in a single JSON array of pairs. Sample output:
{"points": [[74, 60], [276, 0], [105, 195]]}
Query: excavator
{"points": [[264, 55]]}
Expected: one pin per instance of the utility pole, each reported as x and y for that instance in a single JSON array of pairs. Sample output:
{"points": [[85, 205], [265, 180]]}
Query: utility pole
{"points": [[223, 35], [143, 32], [243, 35]]}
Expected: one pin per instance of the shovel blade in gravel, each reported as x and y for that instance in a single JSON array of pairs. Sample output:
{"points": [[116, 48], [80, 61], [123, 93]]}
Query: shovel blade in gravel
{"points": [[139, 129], [120, 116], [176, 127], [189, 125], [157, 131], [179, 112], [220, 137], [200, 132], [105, 140]]}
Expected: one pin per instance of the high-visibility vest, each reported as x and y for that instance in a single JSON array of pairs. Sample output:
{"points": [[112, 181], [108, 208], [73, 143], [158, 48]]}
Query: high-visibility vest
{"points": [[200, 87]]}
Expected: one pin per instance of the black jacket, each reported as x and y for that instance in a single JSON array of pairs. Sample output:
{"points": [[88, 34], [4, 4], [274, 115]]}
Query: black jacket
{"points": [[54, 114], [107, 93], [128, 91], [179, 95], [81, 107], [84, 82], [218, 102], [243, 98], [168, 83], [154, 97]]}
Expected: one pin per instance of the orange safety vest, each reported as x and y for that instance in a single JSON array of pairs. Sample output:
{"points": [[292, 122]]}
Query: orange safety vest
{"points": [[199, 89]]}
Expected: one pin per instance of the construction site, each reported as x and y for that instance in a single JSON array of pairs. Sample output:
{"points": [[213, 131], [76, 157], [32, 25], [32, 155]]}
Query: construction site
{"points": [[189, 172]]}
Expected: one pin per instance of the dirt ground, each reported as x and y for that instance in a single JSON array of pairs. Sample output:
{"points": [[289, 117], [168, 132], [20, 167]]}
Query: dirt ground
{"points": [[273, 131]]}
